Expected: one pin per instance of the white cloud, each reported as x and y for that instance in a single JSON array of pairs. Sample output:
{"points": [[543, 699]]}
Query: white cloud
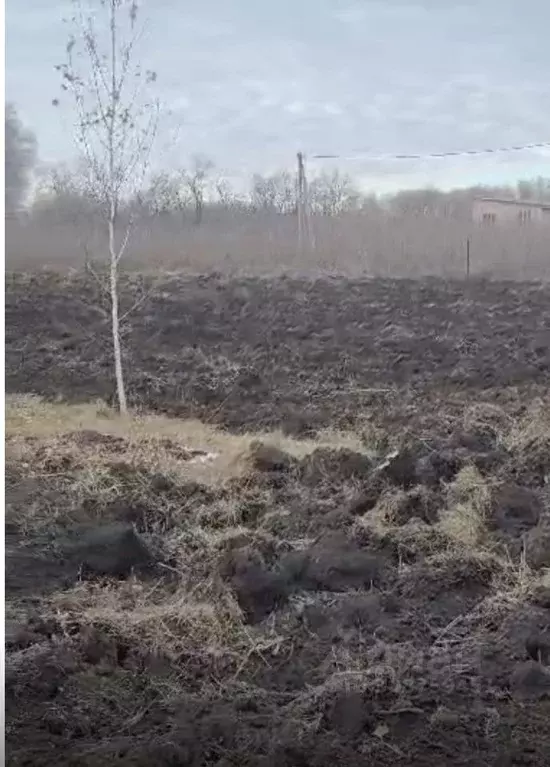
{"points": [[250, 84], [181, 102], [295, 107], [332, 109], [351, 15]]}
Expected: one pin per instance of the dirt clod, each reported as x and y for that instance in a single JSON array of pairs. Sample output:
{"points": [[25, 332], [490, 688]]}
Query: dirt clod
{"points": [[516, 509], [530, 681], [109, 550], [270, 458], [538, 648], [259, 591], [334, 564], [326, 465], [541, 596], [537, 546], [348, 715]]}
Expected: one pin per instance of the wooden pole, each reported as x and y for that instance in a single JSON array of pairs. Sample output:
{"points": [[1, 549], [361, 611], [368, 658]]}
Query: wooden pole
{"points": [[307, 211], [305, 232], [300, 200], [467, 258]]}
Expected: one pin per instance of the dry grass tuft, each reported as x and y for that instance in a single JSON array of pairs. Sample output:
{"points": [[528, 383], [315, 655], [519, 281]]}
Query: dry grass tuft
{"points": [[468, 503], [532, 428], [166, 624], [487, 420], [384, 517]]}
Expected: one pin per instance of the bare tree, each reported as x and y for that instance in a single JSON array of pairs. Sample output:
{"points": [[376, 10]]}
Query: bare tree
{"points": [[331, 194], [167, 193], [196, 180], [20, 159], [63, 195], [115, 129], [63, 198], [225, 194], [274, 193]]}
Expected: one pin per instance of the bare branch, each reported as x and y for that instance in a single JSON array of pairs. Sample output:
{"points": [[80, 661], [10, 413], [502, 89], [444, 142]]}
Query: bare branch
{"points": [[138, 303]]}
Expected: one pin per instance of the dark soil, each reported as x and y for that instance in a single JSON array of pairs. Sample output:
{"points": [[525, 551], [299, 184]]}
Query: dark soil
{"points": [[287, 353], [367, 644]]}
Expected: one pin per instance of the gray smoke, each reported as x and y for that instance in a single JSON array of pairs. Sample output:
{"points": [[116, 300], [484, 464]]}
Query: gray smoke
{"points": [[21, 154]]}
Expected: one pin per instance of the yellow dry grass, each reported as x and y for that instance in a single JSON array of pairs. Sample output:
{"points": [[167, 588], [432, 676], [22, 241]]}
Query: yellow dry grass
{"points": [[468, 503], [161, 623], [31, 417]]}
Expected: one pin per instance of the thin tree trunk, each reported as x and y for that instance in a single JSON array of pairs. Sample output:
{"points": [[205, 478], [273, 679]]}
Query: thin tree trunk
{"points": [[119, 375], [198, 211], [113, 215]]}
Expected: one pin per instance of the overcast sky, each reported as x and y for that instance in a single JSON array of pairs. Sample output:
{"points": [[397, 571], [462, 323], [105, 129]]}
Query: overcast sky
{"points": [[250, 82]]}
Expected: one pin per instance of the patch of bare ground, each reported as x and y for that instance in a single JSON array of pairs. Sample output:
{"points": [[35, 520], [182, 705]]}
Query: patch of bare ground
{"points": [[181, 595]]}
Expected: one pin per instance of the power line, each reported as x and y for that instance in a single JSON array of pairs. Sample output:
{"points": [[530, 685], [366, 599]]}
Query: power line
{"points": [[432, 155]]}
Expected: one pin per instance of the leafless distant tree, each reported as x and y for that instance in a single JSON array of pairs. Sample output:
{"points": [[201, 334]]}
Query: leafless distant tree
{"points": [[63, 198], [196, 180], [167, 193], [274, 193], [332, 193], [20, 159], [225, 194], [63, 195], [116, 126]]}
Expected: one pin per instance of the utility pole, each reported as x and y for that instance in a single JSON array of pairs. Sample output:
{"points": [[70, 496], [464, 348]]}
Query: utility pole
{"points": [[300, 200], [305, 233]]}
